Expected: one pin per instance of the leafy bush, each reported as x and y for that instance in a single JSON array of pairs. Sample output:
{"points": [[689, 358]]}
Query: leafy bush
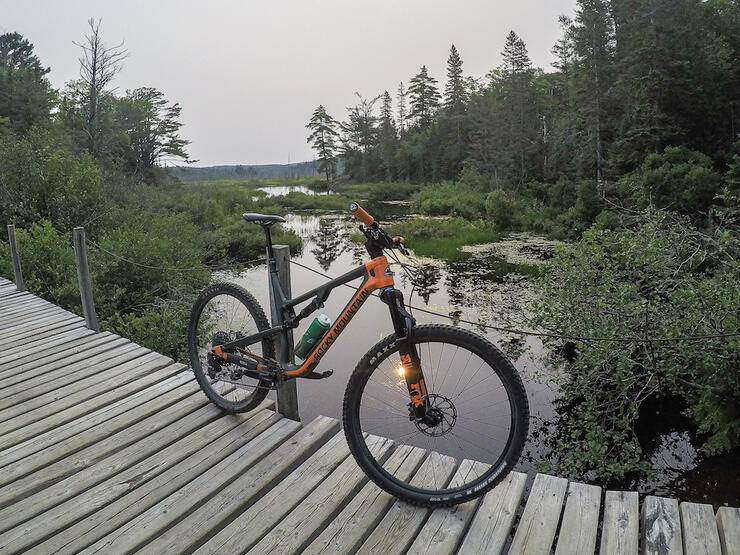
{"points": [[501, 208], [450, 199], [443, 238], [679, 178], [42, 180], [48, 263], [660, 278]]}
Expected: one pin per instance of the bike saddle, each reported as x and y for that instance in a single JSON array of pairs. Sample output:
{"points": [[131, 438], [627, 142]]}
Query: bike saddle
{"points": [[263, 219]]}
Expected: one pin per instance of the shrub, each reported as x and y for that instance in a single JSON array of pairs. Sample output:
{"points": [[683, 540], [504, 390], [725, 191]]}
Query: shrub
{"points": [[450, 199], [660, 278], [679, 178], [42, 180], [501, 208]]}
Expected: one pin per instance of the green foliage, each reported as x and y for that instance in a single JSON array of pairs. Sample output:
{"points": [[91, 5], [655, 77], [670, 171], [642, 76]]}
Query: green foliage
{"points": [[42, 180], [168, 252], [659, 278], [501, 208], [679, 179], [161, 328], [450, 199], [27, 97], [443, 238], [48, 264]]}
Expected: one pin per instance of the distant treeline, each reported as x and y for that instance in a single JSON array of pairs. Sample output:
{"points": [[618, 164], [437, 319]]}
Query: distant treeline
{"points": [[189, 174]]}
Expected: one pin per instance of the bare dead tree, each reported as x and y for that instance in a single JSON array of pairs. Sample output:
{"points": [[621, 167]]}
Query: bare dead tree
{"points": [[99, 65]]}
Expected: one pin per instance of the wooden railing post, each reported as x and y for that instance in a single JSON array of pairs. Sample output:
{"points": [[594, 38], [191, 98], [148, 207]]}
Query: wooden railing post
{"points": [[17, 271], [287, 394], [83, 278]]}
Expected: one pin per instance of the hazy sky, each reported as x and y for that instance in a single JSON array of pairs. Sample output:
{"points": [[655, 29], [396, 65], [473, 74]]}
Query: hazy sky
{"points": [[248, 73]]}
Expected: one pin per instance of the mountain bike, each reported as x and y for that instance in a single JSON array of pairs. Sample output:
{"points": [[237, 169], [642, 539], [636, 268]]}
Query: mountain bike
{"points": [[445, 391]]}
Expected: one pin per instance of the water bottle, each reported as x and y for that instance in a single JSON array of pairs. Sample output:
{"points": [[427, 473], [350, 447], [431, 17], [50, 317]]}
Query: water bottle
{"points": [[315, 331]]}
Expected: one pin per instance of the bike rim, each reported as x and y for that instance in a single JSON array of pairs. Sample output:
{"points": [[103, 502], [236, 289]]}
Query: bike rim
{"points": [[224, 317], [477, 421]]}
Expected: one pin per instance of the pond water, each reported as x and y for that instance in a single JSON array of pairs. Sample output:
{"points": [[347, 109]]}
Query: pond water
{"points": [[488, 288], [279, 190]]}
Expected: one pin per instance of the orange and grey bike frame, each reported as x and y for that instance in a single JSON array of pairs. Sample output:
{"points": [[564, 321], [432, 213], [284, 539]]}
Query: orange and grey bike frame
{"points": [[375, 275]]}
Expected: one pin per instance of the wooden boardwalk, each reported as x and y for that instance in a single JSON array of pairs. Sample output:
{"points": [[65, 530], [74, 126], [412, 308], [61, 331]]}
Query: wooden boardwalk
{"points": [[108, 447]]}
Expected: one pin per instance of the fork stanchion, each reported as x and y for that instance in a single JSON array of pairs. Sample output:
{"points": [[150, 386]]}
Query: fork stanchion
{"points": [[287, 394]]}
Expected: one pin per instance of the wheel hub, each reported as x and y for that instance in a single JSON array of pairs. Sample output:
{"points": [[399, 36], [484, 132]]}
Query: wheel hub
{"points": [[439, 417]]}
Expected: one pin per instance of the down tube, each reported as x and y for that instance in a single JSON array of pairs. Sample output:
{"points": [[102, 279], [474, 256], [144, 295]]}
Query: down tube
{"points": [[353, 306]]}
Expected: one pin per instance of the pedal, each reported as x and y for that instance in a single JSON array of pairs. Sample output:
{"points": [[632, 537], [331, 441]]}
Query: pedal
{"points": [[319, 375]]}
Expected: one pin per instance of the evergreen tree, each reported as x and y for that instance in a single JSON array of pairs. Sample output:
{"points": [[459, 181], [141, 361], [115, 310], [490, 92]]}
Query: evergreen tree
{"points": [[454, 98], [424, 97], [388, 137], [323, 137], [402, 113], [593, 45], [517, 115], [151, 127], [360, 137], [26, 97]]}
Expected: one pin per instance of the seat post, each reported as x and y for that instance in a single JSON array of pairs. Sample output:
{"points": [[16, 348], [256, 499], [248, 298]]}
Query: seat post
{"points": [[270, 254]]}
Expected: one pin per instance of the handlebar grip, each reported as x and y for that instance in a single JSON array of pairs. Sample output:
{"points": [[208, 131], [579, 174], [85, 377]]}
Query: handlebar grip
{"points": [[360, 214]]}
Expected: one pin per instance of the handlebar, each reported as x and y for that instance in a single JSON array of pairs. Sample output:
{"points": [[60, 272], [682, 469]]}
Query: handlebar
{"points": [[377, 238], [360, 214]]}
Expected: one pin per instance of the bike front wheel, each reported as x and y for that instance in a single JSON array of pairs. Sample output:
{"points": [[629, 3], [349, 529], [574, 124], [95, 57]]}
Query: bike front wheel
{"points": [[480, 431]]}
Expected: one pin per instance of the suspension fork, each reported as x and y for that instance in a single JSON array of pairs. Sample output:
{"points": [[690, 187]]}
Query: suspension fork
{"points": [[403, 325]]}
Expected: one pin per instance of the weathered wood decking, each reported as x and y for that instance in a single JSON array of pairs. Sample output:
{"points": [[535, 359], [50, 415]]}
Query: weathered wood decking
{"points": [[108, 447]]}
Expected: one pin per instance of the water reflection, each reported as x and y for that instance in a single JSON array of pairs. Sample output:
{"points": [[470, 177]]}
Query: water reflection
{"points": [[329, 238], [279, 190]]}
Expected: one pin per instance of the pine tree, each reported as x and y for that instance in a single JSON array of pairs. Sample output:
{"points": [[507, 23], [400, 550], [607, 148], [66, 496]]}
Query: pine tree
{"points": [[518, 116], [455, 87], [424, 97], [360, 137], [593, 45], [323, 135], [402, 114], [388, 136]]}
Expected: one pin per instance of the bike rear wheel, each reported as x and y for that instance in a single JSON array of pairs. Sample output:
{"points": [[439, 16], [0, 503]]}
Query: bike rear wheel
{"points": [[224, 312], [481, 429]]}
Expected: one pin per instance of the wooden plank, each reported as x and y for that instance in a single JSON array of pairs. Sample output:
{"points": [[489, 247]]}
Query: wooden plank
{"points": [[359, 518], [12, 383], [81, 460], [113, 355], [491, 524], [280, 500], [48, 333], [76, 411], [114, 515], [619, 529], [126, 479], [402, 522], [444, 530], [96, 427], [699, 529], [536, 529], [50, 345], [37, 356], [661, 526], [580, 520], [14, 317], [29, 368], [42, 405], [304, 522], [98, 471], [226, 488], [728, 526], [23, 331]]}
